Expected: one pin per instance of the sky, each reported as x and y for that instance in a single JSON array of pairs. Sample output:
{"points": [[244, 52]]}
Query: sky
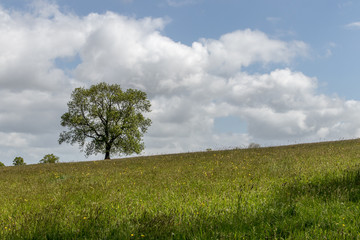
{"points": [[219, 74]]}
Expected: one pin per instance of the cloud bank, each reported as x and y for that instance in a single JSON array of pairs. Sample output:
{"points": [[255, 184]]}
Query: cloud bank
{"points": [[46, 53]]}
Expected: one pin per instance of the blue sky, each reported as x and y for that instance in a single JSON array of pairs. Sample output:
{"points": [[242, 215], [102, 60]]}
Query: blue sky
{"points": [[321, 24], [218, 73]]}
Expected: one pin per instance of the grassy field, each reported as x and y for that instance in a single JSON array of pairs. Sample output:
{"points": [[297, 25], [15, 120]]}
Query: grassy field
{"points": [[307, 191]]}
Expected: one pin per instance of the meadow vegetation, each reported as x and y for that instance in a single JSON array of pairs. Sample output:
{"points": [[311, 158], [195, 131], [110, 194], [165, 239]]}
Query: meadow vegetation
{"points": [[306, 191]]}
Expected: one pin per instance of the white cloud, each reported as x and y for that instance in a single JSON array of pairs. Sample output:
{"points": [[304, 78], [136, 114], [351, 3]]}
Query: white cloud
{"points": [[241, 48], [329, 50], [273, 19], [30, 111], [189, 86], [180, 3], [30, 44], [14, 139], [353, 25]]}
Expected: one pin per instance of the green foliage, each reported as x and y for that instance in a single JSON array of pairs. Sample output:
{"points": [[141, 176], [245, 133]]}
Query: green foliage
{"points": [[111, 119], [308, 191], [2, 165], [18, 161], [49, 158]]}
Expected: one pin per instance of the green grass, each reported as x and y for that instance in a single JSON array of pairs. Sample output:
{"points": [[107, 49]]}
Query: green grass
{"points": [[307, 191]]}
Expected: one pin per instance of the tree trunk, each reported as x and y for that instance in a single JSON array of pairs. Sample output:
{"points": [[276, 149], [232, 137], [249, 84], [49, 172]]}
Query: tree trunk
{"points": [[107, 151]]}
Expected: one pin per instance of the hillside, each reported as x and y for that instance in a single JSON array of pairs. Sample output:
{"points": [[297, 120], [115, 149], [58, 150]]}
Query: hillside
{"points": [[304, 191]]}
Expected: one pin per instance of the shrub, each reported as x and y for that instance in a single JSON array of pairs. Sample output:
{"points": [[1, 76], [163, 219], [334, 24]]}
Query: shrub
{"points": [[18, 161], [50, 158], [2, 165]]}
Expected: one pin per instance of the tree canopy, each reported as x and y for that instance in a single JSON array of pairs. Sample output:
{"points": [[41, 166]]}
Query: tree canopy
{"points": [[49, 158], [18, 161], [105, 119]]}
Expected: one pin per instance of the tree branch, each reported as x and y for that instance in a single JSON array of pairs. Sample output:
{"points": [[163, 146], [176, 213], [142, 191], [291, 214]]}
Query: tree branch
{"points": [[87, 123]]}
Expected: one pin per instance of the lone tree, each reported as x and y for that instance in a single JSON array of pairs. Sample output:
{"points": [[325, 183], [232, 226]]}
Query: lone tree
{"points": [[49, 158], [18, 161], [105, 119]]}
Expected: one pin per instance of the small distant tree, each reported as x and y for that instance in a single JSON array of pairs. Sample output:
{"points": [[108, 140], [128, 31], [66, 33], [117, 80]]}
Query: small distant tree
{"points": [[105, 119], [254, 145], [50, 158], [2, 165], [18, 161]]}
